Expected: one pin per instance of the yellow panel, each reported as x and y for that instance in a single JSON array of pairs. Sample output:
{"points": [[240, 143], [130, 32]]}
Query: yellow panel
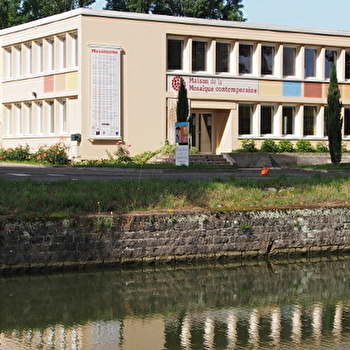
{"points": [[345, 91], [72, 81], [270, 88]]}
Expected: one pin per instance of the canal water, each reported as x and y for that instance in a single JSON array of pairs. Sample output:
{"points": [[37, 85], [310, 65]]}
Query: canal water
{"points": [[301, 304]]}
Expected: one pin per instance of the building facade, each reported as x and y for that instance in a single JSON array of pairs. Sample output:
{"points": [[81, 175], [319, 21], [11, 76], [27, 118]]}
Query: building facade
{"points": [[92, 78]]}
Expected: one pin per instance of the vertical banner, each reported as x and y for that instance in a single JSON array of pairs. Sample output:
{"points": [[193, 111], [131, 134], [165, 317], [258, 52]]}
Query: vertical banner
{"points": [[182, 151], [105, 92], [181, 132]]}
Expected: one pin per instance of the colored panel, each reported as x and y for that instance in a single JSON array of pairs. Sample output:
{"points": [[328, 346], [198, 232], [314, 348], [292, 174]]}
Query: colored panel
{"points": [[312, 89], [344, 91], [60, 82], [48, 83], [292, 88], [270, 88], [72, 81]]}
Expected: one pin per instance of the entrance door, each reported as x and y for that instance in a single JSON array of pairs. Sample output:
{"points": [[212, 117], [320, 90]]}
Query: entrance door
{"points": [[202, 132]]}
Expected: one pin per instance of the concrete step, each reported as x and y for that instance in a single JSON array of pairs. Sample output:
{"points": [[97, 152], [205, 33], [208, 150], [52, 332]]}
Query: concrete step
{"points": [[198, 159]]}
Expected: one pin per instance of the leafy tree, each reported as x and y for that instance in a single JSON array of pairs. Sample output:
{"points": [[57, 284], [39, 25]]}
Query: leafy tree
{"points": [[10, 13], [182, 108], [334, 119], [214, 9], [35, 9]]}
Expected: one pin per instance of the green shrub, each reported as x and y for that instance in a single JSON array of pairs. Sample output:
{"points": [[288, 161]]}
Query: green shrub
{"points": [[248, 145], [322, 147], [269, 146], [20, 153], [304, 146], [285, 146], [55, 154]]}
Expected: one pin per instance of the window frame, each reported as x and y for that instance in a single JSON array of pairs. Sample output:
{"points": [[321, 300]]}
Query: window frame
{"points": [[286, 71], [291, 122], [266, 120], [243, 118], [266, 70], [307, 65], [179, 67], [199, 62], [218, 55], [250, 60]]}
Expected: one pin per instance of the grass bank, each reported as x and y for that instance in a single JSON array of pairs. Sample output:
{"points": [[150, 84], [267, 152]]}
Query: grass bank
{"points": [[65, 198]]}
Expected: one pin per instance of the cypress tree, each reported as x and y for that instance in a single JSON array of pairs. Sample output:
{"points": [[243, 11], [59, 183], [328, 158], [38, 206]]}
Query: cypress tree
{"points": [[182, 108], [334, 119]]}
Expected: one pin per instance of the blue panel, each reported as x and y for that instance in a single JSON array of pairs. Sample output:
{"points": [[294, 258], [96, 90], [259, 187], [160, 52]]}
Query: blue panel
{"points": [[291, 88]]}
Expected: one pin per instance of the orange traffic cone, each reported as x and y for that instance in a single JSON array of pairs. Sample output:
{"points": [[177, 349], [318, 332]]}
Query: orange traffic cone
{"points": [[265, 170]]}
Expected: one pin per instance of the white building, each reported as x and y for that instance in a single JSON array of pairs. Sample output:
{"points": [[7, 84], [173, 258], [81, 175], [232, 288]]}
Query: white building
{"points": [[113, 76]]}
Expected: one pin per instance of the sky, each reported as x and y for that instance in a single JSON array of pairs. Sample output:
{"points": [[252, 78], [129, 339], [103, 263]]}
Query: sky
{"points": [[319, 14]]}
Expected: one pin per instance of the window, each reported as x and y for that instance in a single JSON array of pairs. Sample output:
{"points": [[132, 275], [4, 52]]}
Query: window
{"points": [[289, 56], [222, 57], [325, 117], [288, 114], [310, 113], [266, 115], [199, 56], [245, 58], [245, 118], [267, 60], [175, 54], [28, 59], [330, 59], [347, 64], [347, 121], [310, 62]]}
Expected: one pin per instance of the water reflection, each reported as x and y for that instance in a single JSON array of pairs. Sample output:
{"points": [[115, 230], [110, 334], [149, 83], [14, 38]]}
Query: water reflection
{"points": [[281, 305]]}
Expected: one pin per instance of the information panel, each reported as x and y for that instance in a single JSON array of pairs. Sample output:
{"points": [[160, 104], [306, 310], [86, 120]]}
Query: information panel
{"points": [[105, 92]]}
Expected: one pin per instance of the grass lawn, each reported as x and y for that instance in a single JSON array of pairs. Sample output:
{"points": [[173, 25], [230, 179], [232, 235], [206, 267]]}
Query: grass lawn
{"points": [[66, 198]]}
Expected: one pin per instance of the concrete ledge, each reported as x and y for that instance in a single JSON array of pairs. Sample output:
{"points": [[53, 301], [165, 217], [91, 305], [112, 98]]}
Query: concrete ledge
{"points": [[258, 159]]}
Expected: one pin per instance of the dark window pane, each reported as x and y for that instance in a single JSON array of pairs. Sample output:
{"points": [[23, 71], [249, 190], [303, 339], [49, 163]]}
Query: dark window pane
{"points": [[310, 62], [347, 121], [288, 120], [222, 57], [199, 55], [347, 65], [267, 58], [330, 57], [289, 54], [245, 116], [175, 49], [245, 58], [266, 120], [309, 120]]}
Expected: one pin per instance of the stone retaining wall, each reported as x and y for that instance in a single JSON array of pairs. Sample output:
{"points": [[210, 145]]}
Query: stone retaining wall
{"points": [[172, 237]]}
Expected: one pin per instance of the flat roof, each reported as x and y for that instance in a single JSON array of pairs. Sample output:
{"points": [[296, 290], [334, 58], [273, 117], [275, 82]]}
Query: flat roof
{"points": [[170, 19]]}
